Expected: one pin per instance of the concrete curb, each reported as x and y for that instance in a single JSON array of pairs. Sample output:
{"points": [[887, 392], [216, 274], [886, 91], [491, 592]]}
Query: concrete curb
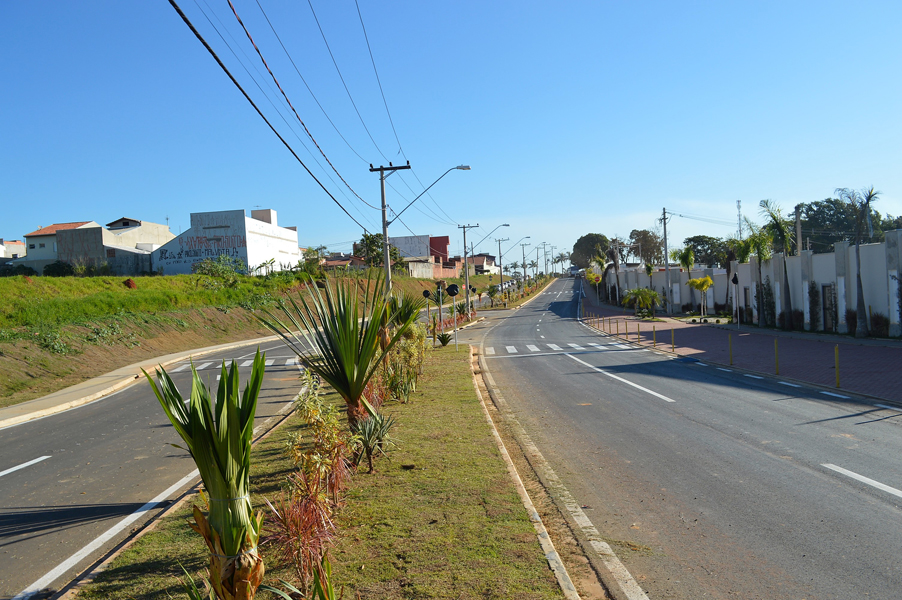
{"points": [[551, 555], [616, 578], [121, 378]]}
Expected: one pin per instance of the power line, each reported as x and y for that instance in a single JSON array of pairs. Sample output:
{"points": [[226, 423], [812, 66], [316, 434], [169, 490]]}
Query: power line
{"points": [[259, 112], [266, 95], [309, 89], [340, 76], [379, 81], [278, 85]]}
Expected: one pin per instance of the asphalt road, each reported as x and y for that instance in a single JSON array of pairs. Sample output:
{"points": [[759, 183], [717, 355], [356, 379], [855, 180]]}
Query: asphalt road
{"points": [[68, 478], [707, 483]]}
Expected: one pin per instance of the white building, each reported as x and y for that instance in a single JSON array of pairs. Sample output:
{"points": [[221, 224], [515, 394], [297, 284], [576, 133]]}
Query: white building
{"points": [[255, 241]]}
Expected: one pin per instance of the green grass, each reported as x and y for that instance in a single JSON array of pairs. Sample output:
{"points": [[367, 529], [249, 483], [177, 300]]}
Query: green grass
{"points": [[452, 527]]}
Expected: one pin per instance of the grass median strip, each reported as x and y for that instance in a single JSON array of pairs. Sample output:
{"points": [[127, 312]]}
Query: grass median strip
{"points": [[440, 519]]}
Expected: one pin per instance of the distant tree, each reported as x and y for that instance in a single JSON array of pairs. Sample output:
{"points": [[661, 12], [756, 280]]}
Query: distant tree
{"points": [[781, 230], [587, 247], [707, 250], [860, 202], [650, 246], [759, 243], [370, 246], [686, 258], [58, 269]]}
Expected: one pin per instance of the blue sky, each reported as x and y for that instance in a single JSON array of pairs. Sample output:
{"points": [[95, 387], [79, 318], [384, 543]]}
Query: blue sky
{"points": [[575, 117]]}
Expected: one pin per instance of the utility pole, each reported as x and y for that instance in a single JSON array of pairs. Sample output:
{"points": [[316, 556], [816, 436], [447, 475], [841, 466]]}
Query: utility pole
{"points": [[545, 255], [385, 253], [535, 274], [467, 265], [553, 272], [739, 218], [667, 265], [523, 248], [798, 230], [501, 264]]}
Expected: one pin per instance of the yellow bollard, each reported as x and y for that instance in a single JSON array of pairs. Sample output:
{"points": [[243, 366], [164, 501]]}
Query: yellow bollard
{"points": [[730, 339], [618, 328], [672, 345], [654, 337], [638, 338], [836, 358], [776, 356]]}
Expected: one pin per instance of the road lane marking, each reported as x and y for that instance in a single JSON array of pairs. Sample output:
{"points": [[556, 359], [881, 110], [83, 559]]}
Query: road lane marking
{"points": [[554, 346], [532, 348], [576, 346], [863, 479], [752, 376], [725, 370], [247, 363], [895, 408], [23, 465], [789, 384], [182, 368], [835, 395], [511, 349], [202, 366], [269, 362], [621, 379], [76, 558], [700, 364], [489, 351], [542, 336]]}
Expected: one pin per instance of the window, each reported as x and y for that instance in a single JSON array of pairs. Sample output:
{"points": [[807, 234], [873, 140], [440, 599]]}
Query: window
{"points": [[31, 246], [110, 253], [125, 223], [40, 245]]}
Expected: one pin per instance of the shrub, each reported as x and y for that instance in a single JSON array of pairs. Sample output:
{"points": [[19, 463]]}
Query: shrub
{"points": [[879, 325], [58, 269], [851, 320], [444, 338], [798, 319]]}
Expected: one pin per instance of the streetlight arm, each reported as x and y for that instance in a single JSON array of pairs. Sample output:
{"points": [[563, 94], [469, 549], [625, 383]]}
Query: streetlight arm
{"points": [[461, 167], [490, 233]]}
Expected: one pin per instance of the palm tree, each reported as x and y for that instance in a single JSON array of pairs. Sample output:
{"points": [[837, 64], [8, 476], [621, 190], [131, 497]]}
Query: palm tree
{"points": [[759, 244], [492, 292], [702, 284], [686, 258], [614, 257], [534, 265], [782, 231], [860, 202], [643, 298], [343, 338], [739, 251]]}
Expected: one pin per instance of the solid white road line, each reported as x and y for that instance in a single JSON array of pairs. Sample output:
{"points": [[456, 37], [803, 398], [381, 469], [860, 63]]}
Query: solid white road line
{"points": [[895, 408], [789, 384], [554, 346], [621, 379], [511, 349], [867, 480], [489, 351], [835, 395], [23, 465], [76, 558], [532, 348]]}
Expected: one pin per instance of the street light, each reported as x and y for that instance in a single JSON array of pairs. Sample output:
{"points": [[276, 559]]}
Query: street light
{"points": [[526, 237], [490, 233], [386, 222]]}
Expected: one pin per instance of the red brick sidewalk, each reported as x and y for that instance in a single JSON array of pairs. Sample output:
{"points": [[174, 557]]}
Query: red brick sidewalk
{"points": [[872, 367]]}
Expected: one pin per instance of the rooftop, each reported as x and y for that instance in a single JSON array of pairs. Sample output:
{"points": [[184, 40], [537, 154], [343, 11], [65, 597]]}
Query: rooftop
{"points": [[51, 229]]}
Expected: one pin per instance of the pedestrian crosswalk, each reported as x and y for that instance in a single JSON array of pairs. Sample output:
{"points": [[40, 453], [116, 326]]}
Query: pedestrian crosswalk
{"points": [[512, 350], [278, 362]]}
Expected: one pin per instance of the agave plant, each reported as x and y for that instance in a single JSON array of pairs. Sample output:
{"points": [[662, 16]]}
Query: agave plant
{"points": [[218, 435], [343, 339]]}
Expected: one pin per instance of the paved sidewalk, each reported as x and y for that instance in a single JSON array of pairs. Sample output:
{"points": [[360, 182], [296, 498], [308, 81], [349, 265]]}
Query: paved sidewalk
{"points": [[98, 387], [872, 367]]}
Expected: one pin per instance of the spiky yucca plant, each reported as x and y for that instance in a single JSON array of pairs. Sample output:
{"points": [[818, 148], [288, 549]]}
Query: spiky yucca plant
{"points": [[343, 340], [218, 435]]}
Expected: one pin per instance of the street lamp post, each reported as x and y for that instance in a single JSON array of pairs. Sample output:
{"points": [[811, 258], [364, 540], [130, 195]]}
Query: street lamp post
{"points": [[467, 266], [545, 256], [500, 263], [386, 222], [523, 248], [553, 271]]}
